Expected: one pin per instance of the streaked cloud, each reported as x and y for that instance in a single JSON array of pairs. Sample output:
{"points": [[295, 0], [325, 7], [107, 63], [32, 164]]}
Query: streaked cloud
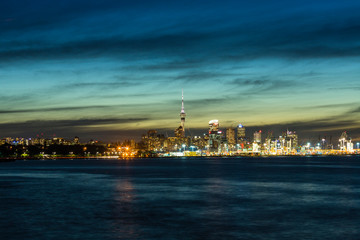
{"points": [[262, 62]]}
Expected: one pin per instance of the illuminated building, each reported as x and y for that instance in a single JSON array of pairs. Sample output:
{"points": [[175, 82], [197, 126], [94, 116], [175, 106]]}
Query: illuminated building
{"points": [[345, 143], [199, 142], [256, 147], [9, 140], [180, 131], [151, 141], [323, 143], [241, 140], [230, 136], [271, 144], [214, 136], [213, 127], [291, 141], [240, 133], [257, 136]]}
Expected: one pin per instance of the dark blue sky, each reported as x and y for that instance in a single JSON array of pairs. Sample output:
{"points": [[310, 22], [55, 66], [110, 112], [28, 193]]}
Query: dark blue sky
{"points": [[110, 69]]}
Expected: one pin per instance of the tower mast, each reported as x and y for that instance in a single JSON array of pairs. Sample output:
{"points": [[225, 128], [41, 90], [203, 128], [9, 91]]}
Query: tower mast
{"points": [[182, 113]]}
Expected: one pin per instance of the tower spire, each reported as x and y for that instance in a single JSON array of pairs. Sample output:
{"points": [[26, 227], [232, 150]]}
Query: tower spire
{"points": [[182, 101], [182, 115]]}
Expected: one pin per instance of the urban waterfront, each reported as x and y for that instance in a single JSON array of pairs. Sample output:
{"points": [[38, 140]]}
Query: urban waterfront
{"points": [[215, 143], [181, 198]]}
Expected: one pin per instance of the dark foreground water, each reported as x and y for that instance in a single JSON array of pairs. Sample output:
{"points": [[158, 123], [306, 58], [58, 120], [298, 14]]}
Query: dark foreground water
{"points": [[243, 198]]}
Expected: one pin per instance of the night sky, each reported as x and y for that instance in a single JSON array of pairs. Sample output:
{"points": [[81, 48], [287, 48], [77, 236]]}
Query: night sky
{"points": [[114, 69]]}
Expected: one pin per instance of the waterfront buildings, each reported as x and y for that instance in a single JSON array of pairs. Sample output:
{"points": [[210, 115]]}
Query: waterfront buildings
{"points": [[153, 143], [214, 136], [230, 136], [345, 143], [241, 136], [257, 136]]}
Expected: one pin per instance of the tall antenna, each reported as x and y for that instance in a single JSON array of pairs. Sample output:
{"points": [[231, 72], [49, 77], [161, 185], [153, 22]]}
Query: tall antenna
{"points": [[182, 101]]}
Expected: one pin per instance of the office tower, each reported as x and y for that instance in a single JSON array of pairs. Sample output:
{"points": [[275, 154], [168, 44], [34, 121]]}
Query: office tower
{"points": [[292, 139], [214, 136], [230, 136], [257, 136], [240, 133]]}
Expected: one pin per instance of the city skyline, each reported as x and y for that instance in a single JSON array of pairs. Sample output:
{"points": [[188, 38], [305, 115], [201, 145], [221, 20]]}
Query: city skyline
{"points": [[115, 69]]}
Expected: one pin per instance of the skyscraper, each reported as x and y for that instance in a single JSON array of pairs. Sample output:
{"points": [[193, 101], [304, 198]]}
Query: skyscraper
{"points": [[240, 133], [241, 140], [213, 127], [214, 136], [292, 140], [257, 136], [230, 136]]}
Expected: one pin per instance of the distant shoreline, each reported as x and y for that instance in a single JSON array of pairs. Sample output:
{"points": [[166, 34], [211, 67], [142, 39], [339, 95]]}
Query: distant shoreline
{"points": [[12, 159]]}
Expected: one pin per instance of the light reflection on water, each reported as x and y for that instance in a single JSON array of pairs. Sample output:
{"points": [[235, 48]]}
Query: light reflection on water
{"points": [[180, 199]]}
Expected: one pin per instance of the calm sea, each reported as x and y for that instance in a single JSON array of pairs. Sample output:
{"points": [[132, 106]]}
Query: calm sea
{"points": [[214, 198]]}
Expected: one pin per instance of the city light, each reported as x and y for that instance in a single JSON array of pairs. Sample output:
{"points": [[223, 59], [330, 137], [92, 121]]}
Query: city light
{"points": [[234, 141]]}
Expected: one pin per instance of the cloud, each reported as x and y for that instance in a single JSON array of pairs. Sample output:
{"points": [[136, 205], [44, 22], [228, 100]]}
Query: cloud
{"points": [[118, 47], [345, 88], [46, 15], [160, 45], [250, 82], [326, 124], [206, 102], [238, 42], [201, 76], [121, 95], [70, 128], [71, 123], [52, 109], [10, 99], [338, 105], [171, 65], [356, 110], [261, 85], [65, 127], [71, 108], [102, 85]]}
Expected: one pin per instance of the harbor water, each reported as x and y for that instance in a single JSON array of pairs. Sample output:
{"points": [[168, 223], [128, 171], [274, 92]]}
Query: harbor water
{"points": [[181, 198]]}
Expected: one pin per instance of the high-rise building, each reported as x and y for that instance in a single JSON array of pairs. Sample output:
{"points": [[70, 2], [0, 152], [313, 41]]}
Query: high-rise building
{"points": [[180, 131], [214, 136], [257, 136], [240, 133], [213, 127], [230, 136], [292, 140]]}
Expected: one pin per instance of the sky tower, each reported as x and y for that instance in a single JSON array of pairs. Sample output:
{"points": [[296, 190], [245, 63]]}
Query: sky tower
{"points": [[182, 112], [180, 131]]}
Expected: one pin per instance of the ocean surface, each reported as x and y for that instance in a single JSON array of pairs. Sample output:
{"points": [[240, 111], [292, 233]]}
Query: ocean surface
{"points": [[189, 198]]}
